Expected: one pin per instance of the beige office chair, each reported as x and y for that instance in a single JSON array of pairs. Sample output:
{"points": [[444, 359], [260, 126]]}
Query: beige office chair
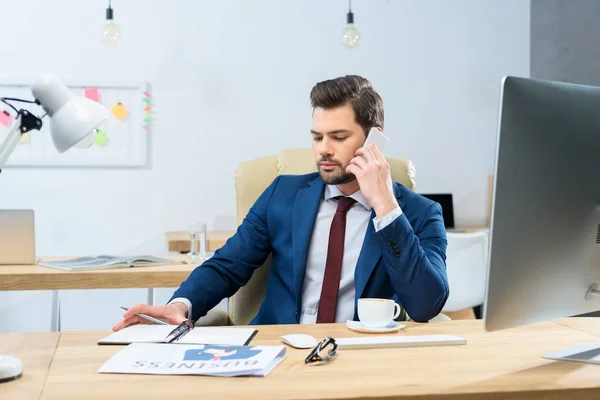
{"points": [[251, 179]]}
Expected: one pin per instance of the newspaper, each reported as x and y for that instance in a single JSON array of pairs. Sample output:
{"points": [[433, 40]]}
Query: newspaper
{"points": [[179, 359]]}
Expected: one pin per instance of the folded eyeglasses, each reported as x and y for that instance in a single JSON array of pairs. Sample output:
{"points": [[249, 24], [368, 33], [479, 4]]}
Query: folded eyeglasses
{"points": [[316, 355]]}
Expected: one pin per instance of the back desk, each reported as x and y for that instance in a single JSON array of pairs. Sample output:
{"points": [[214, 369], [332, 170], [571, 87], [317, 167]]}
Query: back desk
{"points": [[493, 365]]}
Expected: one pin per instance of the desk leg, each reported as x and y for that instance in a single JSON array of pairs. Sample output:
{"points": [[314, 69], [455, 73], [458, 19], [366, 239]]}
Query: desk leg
{"points": [[150, 297], [55, 311]]}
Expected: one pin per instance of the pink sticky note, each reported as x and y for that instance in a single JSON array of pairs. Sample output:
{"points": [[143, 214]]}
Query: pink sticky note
{"points": [[92, 94], [5, 118]]}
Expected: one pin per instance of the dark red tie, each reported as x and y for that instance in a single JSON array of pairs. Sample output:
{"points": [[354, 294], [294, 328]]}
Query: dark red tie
{"points": [[333, 266]]}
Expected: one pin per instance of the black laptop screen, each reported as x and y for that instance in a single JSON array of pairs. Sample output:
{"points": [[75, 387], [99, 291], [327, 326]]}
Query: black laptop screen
{"points": [[445, 200]]}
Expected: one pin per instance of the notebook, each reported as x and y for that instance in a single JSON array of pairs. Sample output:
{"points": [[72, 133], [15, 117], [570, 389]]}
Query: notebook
{"points": [[199, 335], [106, 261]]}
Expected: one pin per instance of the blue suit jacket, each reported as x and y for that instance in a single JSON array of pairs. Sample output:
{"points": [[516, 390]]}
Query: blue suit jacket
{"points": [[405, 261]]}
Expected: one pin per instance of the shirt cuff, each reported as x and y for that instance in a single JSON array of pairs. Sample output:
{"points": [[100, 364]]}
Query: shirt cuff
{"points": [[384, 221], [187, 303]]}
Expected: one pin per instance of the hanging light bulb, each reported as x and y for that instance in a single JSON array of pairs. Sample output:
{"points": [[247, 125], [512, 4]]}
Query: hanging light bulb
{"points": [[350, 34], [111, 33]]}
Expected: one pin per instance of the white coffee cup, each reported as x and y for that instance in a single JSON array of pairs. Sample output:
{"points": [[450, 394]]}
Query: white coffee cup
{"points": [[377, 313]]}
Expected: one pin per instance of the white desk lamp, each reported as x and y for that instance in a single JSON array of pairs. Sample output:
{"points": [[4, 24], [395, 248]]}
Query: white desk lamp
{"points": [[73, 122], [73, 119]]}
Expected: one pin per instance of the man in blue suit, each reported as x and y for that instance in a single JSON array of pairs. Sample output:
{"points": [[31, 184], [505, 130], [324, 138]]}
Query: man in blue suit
{"points": [[343, 233]]}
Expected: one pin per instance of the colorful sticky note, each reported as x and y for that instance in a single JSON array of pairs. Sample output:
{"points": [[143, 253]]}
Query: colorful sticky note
{"points": [[101, 138], [24, 138], [147, 108], [92, 94], [119, 111], [146, 94], [5, 118], [147, 101]]}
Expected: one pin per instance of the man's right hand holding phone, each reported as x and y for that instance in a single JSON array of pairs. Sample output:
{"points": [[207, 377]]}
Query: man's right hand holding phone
{"points": [[174, 314]]}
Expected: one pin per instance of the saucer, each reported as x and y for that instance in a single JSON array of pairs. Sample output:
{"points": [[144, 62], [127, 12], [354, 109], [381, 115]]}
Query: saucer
{"points": [[359, 327]]}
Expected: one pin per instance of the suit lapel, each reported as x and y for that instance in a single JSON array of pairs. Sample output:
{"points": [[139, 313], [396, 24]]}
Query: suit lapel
{"points": [[367, 260], [306, 207], [370, 253]]}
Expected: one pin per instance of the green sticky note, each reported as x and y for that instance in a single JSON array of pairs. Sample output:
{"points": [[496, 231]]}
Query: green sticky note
{"points": [[147, 120], [101, 138], [147, 101]]}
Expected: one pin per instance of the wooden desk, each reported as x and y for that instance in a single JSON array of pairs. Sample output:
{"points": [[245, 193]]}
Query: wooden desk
{"points": [[36, 351], [493, 365], [180, 241], [37, 277]]}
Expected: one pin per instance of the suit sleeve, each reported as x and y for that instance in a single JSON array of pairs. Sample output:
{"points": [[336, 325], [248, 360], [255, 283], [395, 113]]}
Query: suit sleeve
{"points": [[232, 266], [416, 263]]}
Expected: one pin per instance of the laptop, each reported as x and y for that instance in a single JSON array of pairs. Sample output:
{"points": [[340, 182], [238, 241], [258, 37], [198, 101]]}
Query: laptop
{"points": [[17, 237], [445, 201]]}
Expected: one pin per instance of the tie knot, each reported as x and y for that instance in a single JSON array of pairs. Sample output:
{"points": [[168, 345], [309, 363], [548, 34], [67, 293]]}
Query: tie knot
{"points": [[344, 204]]}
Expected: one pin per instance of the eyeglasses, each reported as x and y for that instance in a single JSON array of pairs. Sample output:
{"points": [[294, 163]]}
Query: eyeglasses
{"points": [[315, 355]]}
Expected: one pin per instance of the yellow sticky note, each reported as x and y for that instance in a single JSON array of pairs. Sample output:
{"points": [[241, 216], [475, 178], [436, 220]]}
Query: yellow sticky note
{"points": [[101, 138], [119, 111], [24, 138]]}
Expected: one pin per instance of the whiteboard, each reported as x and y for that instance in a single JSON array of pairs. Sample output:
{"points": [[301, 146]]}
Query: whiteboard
{"points": [[122, 143]]}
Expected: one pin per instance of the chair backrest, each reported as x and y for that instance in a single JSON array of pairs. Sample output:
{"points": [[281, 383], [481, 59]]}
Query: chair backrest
{"points": [[466, 266], [251, 179]]}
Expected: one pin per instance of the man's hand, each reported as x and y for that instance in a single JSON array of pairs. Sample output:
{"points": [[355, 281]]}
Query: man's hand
{"points": [[174, 314], [374, 178]]}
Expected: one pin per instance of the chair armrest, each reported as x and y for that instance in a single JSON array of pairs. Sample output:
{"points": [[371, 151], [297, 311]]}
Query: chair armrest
{"points": [[214, 317]]}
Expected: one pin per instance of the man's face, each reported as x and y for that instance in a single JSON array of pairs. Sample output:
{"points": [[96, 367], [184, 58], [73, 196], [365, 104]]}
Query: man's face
{"points": [[336, 136]]}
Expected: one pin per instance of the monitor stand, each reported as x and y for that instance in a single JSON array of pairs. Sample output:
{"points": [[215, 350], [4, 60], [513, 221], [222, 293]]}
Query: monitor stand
{"points": [[587, 353]]}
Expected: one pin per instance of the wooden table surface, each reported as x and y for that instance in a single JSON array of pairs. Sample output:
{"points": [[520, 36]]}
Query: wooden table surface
{"points": [[38, 277], [36, 351], [492, 365], [180, 241]]}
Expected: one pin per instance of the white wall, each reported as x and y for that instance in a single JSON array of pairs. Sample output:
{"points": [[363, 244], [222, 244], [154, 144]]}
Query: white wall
{"points": [[230, 81]]}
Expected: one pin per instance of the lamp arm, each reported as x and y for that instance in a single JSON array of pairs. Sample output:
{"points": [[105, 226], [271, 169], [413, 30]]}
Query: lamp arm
{"points": [[23, 123], [11, 141]]}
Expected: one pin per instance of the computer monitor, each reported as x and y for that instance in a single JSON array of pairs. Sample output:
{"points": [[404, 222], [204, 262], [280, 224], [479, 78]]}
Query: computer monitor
{"points": [[445, 201], [544, 259]]}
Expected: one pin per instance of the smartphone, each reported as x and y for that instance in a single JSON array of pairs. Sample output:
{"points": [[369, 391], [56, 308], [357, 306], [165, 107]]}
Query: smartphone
{"points": [[378, 138]]}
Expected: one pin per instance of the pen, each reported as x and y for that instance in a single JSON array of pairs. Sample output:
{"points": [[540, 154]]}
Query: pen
{"points": [[147, 317]]}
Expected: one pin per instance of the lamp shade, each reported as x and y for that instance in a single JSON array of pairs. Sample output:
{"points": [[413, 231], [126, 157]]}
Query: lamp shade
{"points": [[73, 119]]}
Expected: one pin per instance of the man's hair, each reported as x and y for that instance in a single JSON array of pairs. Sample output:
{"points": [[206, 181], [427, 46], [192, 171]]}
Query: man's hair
{"points": [[354, 90]]}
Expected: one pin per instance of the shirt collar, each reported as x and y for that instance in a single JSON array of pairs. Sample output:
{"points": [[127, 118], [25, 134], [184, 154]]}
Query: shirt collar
{"points": [[332, 191]]}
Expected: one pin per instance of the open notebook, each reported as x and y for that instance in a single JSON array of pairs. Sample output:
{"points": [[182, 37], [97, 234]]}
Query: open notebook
{"points": [[105, 261], [198, 335]]}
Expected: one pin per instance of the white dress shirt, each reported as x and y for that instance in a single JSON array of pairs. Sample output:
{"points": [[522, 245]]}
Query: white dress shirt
{"points": [[357, 221]]}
